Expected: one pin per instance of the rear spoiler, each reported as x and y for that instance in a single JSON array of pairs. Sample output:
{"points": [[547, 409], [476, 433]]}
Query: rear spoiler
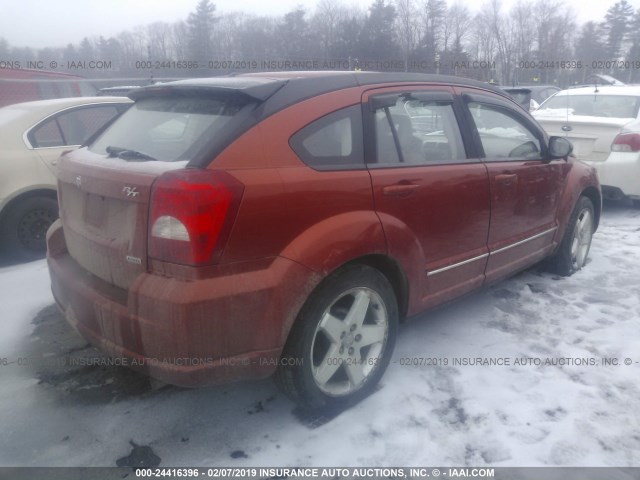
{"points": [[259, 89]]}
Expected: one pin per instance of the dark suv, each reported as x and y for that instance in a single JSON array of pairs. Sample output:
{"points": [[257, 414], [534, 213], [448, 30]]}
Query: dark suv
{"points": [[230, 228]]}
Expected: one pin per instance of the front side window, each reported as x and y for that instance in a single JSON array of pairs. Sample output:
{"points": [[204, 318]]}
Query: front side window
{"points": [[502, 135], [168, 128], [333, 141], [417, 132]]}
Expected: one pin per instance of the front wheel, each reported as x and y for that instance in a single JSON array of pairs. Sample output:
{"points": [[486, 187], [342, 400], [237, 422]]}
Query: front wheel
{"points": [[342, 340], [574, 249]]}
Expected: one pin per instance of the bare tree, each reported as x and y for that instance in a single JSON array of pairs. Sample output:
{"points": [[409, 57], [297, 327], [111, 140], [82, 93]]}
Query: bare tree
{"points": [[407, 28], [458, 21], [503, 31], [160, 42], [326, 20], [522, 14], [225, 36], [481, 42], [180, 40]]}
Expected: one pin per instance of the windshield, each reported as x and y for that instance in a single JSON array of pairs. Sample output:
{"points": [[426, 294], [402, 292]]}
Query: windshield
{"points": [[593, 105], [166, 128]]}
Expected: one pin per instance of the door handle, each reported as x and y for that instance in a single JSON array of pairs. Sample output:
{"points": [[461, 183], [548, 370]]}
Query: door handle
{"points": [[400, 190], [507, 179]]}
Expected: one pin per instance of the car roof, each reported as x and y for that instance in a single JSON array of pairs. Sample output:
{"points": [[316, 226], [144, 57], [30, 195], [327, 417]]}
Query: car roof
{"points": [[279, 90], [531, 88], [25, 114], [56, 103], [603, 89], [263, 85]]}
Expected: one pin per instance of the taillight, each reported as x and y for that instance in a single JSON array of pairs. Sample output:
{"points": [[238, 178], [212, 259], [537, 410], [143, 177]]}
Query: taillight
{"points": [[626, 142], [191, 215]]}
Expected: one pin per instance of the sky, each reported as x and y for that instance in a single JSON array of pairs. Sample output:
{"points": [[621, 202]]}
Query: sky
{"points": [[47, 23]]}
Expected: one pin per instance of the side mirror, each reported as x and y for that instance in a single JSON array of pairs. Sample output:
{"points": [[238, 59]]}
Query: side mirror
{"points": [[559, 147]]}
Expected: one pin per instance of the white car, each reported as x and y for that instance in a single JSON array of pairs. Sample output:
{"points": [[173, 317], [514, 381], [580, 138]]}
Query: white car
{"points": [[603, 123], [32, 137]]}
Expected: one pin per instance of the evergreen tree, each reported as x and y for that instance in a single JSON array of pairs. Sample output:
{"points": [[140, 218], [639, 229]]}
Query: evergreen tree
{"points": [[201, 25], [617, 22], [590, 46], [293, 33], [634, 51], [435, 12], [87, 51], [377, 38]]}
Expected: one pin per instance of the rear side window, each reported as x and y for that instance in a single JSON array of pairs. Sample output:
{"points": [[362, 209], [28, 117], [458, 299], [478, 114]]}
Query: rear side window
{"points": [[418, 132], [72, 127], [169, 128], [47, 135], [332, 142]]}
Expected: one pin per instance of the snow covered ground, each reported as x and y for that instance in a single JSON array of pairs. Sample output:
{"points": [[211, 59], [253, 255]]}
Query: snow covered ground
{"points": [[569, 410]]}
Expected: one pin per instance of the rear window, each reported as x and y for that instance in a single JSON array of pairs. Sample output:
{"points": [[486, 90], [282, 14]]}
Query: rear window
{"points": [[593, 105], [521, 96], [167, 128]]}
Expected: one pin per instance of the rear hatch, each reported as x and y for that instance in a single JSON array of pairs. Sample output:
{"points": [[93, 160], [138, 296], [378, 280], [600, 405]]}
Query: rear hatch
{"points": [[590, 121], [106, 190], [104, 207]]}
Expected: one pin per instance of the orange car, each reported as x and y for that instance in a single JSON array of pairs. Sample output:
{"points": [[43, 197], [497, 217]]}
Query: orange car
{"points": [[231, 228]]}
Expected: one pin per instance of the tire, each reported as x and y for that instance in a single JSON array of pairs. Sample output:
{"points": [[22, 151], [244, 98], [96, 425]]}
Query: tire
{"points": [[342, 340], [574, 249], [24, 227]]}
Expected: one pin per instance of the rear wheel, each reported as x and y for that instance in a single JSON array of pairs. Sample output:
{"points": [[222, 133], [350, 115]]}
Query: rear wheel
{"points": [[24, 227], [342, 341], [576, 243]]}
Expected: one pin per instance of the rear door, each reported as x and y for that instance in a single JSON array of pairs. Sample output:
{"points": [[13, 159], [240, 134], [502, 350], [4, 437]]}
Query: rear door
{"points": [[525, 187], [431, 194]]}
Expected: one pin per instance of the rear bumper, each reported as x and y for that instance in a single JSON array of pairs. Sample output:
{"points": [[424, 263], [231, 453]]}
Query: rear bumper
{"points": [[620, 172], [229, 326]]}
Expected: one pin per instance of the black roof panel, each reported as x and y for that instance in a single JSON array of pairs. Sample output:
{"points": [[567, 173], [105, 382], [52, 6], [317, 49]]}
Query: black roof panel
{"points": [[298, 85]]}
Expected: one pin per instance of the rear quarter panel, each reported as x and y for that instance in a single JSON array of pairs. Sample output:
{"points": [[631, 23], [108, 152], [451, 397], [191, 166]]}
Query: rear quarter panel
{"points": [[321, 219]]}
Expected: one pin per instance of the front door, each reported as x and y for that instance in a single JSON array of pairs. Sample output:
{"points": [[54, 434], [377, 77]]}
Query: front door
{"points": [[525, 187]]}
